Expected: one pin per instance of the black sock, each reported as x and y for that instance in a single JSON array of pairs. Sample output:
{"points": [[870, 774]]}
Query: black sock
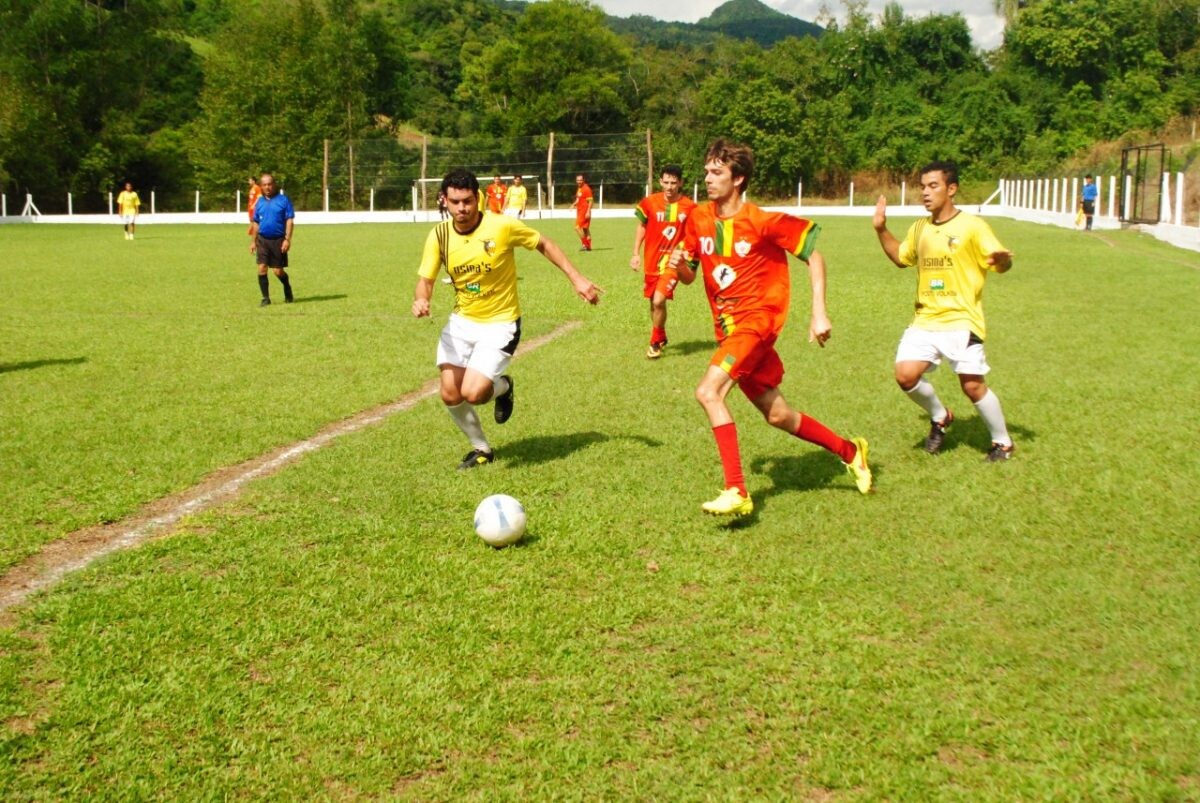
{"points": [[287, 285], [263, 286]]}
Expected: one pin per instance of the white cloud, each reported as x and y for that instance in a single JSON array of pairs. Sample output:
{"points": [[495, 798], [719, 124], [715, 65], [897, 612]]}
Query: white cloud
{"points": [[986, 27]]}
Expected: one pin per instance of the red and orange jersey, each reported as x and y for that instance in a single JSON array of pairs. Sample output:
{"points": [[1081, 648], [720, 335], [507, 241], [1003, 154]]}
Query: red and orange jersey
{"points": [[664, 228], [744, 262], [251, 199], [495, 197], [583, 202]]}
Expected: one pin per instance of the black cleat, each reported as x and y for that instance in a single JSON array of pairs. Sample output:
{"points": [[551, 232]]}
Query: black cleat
{"points": [[503, 409], [288, 300], [999, 453], [476, 457], [266, 302], [937, 433]]}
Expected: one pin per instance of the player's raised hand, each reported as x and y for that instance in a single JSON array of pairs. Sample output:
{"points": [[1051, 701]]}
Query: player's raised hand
{"points": [[879, 220], [819, 330]]}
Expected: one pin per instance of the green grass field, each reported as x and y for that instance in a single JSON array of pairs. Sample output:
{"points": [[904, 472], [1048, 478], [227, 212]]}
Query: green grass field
{"points": [[1020, 631]]}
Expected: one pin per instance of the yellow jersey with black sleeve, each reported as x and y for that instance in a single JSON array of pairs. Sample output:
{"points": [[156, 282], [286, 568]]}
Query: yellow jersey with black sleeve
{"points": [[951, 260], [481, 265]]}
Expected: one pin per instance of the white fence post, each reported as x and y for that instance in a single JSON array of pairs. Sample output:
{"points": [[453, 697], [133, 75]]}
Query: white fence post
{"points": [[799, 194], [1179, 199], [372, 199], [325, 208], [903, 190], [1074, 189], [110, 202], [152, 202], [1128, 189], [70, 205], [3, 206], [197, 202], [852, 193], [1112, 196], [601, 196], [237, 203], [1164, 212]]}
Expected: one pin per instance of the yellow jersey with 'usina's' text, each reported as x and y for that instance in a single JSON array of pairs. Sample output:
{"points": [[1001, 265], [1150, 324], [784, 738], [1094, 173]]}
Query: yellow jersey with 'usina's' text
{"points": [[951, 260], [481, 265]]}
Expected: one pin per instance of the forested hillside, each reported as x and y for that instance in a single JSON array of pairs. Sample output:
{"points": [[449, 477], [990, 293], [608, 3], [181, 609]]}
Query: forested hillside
{"points": [[182, 95]]}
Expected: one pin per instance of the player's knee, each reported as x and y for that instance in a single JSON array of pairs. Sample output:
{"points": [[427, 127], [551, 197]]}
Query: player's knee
{"points": [[477, 395], [780, 418], [707, 396]]}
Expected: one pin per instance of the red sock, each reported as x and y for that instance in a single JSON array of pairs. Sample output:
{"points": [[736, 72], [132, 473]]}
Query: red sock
{"points": [[658, 335], [731, 456], [814, 431], [587, 243]]}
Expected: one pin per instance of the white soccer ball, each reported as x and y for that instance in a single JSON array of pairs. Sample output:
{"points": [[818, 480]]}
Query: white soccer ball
{"points": [[500, 520]]}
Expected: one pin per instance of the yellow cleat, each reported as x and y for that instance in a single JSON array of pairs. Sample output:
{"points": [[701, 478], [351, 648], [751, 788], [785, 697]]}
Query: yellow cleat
{"points": [[729, 503], [858, 467]]}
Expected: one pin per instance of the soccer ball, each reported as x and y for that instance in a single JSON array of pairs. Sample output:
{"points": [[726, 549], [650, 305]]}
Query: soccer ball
{"points": [[500, 520]]}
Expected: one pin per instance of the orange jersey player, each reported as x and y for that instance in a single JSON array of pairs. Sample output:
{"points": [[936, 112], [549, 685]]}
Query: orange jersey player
{"points": [[583, 211], [661, 217], [497, 191], [743, 253]]}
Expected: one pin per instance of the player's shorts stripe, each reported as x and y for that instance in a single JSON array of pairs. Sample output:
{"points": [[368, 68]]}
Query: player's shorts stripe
{"points": [[510, 348]]}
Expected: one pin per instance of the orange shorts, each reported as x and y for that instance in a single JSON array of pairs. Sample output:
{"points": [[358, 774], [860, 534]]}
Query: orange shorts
{"points": [[662, 283], [750, 360], [583, 221]]}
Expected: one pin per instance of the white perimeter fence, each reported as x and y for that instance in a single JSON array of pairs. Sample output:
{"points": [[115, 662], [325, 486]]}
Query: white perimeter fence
{"points": [[1050, 201]]}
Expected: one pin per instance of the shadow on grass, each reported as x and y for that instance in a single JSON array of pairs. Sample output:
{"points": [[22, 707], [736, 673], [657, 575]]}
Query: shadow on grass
{"points": [[691, 347], [809, 471], [544, 448], [310, 299], [972, 433], [30, 364]]}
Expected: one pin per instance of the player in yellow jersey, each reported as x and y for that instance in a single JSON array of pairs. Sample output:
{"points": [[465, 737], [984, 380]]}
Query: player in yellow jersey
{"points": [[953, 252], [516, 198], [481, 336], [128, 205]]}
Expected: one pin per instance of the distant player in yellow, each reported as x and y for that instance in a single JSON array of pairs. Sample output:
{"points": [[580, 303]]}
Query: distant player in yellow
{"points": [[128, 205], [953, 252], [515, 200], [481, 336]]}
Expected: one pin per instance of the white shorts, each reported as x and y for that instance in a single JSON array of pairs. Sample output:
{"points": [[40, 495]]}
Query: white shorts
{"points": [[959, 347], [484, 347], [127, 219]]}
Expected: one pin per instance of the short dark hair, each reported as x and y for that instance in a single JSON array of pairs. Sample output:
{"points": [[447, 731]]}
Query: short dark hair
{"points": [[672, 170], [948, 169], [738, 157], [460, 179], [1089, 175]]}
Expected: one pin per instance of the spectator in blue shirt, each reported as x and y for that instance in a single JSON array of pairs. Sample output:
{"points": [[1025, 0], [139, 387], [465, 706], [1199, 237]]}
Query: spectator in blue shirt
{"points": [[271, 237], [1088, 202]]}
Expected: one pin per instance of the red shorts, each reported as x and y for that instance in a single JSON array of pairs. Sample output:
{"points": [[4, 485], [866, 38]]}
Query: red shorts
{"points": [[660, 282], [583, 221], [750, 360]]}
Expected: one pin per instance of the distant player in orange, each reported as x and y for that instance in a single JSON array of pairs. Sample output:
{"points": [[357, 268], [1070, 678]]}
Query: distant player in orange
{"points": [[661, 216], [583, 211], [497, 191], [253, 193], [742, 252]]}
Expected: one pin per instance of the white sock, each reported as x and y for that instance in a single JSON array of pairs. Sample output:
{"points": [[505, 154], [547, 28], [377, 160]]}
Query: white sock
{"points": [[993, 416], [468, 421], [924, 394], [500, 386]]}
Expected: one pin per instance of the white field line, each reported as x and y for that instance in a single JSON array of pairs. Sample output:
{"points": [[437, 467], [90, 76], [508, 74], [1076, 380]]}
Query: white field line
{"points": [[192, 502]]}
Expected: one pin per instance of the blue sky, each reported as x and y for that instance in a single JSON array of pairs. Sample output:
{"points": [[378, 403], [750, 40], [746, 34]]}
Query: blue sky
{"points": [[986, 26]]}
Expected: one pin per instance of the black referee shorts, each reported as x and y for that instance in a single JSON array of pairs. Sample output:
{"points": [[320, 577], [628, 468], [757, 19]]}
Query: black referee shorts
{"points": [[270, 252]]}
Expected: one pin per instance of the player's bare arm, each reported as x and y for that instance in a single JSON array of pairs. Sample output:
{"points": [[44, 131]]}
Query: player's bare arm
{"points": [[253, 237], [639, 237], [1001, 261], [287, 237], [421, 296], [819, 328], [584, 287], [891, 246]]}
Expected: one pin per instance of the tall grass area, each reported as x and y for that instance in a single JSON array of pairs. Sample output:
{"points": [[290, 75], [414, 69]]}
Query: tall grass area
{"points": [[1017, 631]]}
